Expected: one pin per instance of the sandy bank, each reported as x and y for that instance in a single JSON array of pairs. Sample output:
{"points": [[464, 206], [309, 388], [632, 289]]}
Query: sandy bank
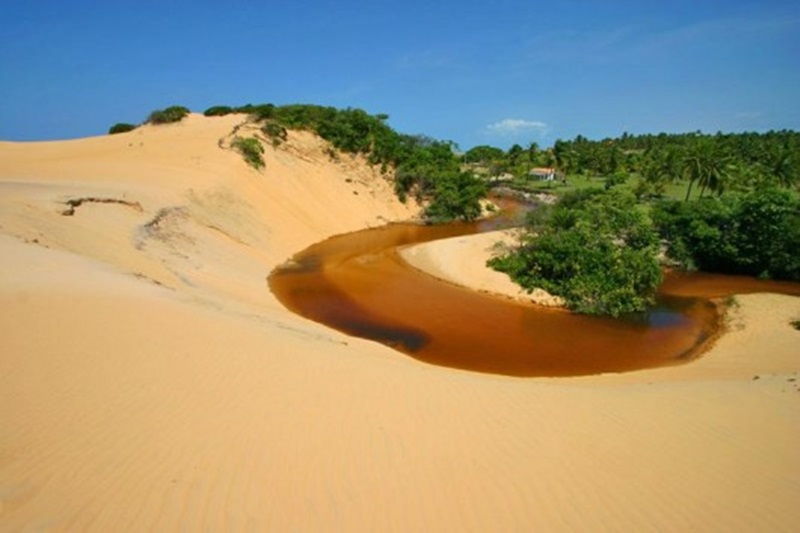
{"points": [[462, 261], [149, 381]]}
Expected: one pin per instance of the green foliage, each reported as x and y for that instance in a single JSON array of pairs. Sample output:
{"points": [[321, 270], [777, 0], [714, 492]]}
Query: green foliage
{"points": [[422, 163], [120, 127], [218, 111], [597, 250], [275, 132], [711, 163], [617, 178], [705, 164], [260, 112], [174, 113], [483, 154], [757, 233], [251, 149], [456, 196]]}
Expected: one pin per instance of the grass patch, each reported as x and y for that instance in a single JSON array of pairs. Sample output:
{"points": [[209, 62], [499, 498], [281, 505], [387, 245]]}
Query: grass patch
{"points": [[251, 149]]}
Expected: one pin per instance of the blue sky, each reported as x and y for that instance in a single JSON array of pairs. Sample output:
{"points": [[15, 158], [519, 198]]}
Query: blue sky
{"points": [[489, 72]]}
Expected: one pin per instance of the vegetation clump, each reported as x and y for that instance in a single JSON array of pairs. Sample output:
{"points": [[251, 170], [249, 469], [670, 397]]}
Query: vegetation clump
{"points": [[275, 132], [168, 115], [755, 233], [251, 149], [598, 250], [120, 127], [218, 111]]}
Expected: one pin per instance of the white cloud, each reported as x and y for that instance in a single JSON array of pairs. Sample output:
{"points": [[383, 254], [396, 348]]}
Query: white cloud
{"points": [[517, 126]]}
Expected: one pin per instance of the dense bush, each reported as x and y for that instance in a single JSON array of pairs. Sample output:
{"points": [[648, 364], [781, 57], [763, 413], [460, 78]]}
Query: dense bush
{"points": [[218, 111], [260, 112], [757, 233], [174, 113], [597, 250], [251, 149], [120, 127], [456, 196], [484, 154]]}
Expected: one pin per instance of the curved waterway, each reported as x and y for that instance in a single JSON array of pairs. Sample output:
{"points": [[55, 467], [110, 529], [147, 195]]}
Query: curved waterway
{"points": [[358, 284]]}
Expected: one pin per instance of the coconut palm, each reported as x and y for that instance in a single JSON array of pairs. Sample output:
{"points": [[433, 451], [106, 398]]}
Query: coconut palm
{"points": [[783, 168], [706, 166]]}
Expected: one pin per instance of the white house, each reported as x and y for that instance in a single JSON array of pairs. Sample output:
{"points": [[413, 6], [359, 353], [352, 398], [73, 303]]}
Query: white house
{"points": [[543, 174]]}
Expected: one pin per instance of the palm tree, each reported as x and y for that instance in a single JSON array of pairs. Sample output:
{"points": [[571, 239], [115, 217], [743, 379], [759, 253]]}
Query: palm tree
{"points": [[782, 167], [706, 166], [533, 151], [563, 157]]}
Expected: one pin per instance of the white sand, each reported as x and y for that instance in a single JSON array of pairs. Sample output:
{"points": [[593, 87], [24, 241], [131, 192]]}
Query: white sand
{"points": [[462, 261], [150, 381]]}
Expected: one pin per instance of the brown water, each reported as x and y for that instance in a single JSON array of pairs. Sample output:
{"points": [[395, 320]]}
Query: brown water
{"points": [[358, 284]]}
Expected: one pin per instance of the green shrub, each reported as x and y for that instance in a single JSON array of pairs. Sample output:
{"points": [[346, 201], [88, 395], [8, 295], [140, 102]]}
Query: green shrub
{"points": [[275, 132], [218, 111], [251, 150], [755, 234], [596, 250], [456, 196], [262, 112], [120, 127], [174, 113]]}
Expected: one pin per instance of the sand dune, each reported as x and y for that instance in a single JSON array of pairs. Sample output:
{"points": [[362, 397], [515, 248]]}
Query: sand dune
{"points": [[150, 381]]}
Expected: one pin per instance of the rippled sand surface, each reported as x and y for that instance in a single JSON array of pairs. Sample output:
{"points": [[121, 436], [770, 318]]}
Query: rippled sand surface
{"points": [[150, 381]]}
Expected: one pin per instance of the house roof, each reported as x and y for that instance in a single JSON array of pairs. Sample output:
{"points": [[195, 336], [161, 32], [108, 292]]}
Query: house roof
{"points": [[542, 170]]}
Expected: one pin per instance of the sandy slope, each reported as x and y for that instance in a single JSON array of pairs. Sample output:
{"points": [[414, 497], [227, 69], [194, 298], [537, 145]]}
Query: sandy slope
{"points": [[149, 381]]}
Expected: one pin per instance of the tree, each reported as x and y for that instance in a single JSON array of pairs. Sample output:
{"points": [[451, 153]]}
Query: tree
{"points": [[533, 152], [514, 154], [706, 166], [597, 250], [756, 234], [562, 155], [783, 166], [456, 196], [483, 154]]}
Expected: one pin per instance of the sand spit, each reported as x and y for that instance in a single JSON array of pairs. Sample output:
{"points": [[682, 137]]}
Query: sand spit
{"points": [[149, 381], [462, 261]]}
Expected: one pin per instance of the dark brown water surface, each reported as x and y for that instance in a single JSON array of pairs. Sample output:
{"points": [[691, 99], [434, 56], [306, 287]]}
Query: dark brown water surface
{"points": [[358, 284]]}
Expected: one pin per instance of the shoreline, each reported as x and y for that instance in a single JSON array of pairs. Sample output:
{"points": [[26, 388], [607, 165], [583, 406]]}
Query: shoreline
{"points": [[461, 261]]}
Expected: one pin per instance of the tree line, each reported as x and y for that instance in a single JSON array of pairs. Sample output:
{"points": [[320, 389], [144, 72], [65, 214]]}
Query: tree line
{"points": [[710, 164], [738, 213]]}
